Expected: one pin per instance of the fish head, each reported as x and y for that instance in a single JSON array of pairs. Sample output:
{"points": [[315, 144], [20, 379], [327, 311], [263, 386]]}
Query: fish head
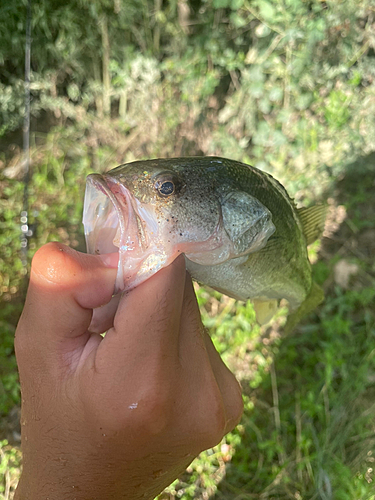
{"points": [[152, 211]]}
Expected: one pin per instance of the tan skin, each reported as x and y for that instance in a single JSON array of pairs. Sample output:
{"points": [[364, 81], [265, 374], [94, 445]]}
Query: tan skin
{"points": [[119, 417]]}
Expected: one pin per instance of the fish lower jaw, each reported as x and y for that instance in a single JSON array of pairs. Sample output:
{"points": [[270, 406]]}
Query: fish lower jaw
{"points": [[132, 270]]}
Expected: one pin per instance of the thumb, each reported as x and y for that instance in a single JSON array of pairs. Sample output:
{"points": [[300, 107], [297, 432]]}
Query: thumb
{"points": [[65, 285]]}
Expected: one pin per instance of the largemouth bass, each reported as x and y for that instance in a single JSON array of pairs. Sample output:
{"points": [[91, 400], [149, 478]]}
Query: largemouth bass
{"points": [[240, 232]]}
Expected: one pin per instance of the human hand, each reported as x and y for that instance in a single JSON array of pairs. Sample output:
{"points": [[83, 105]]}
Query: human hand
{"points": [[120, 416]]}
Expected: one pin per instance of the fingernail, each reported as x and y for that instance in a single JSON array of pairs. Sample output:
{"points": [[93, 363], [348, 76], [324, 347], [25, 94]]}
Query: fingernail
{"points": [[110, 259]]}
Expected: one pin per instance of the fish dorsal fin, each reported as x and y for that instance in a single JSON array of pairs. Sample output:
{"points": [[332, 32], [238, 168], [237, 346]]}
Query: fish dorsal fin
{"points": [[313, 220], [247, 222]]}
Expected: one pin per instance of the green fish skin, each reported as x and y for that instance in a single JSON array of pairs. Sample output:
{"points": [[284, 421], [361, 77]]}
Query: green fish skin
{"points": [[239, 230]]}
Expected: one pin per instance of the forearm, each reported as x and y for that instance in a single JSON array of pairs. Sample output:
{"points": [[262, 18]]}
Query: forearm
{"points": [[89, 487]]}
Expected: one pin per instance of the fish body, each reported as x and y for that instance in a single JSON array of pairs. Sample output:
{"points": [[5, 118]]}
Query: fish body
{"points": [[240, 232]]}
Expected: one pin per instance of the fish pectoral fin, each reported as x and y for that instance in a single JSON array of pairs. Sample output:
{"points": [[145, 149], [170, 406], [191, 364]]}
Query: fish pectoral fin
{"points": [[313, 221], [264, 310], [314, 298]]}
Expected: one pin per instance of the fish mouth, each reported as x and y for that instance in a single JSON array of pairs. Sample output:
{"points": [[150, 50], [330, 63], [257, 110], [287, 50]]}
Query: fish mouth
{"points": [[112, 226], [103, 217]]}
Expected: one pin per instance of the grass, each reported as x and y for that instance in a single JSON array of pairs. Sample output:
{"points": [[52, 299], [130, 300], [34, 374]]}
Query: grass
{"points": [[308, 428]]}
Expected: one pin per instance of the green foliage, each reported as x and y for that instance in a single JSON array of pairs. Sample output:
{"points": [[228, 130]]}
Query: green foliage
{"points": [[10, 459], [287, 86], [9, 386], [298, 73]]}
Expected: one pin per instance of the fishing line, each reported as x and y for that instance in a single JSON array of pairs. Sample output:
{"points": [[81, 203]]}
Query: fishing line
{"points": [[26, 232]]}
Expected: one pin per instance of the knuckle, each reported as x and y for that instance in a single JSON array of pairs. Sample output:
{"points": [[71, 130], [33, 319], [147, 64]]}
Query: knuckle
{"points": [[19, 344], [148, 414], [211, 420], [238, 410], [216, 429], [23, 341], [157, 409], [234, 403]]}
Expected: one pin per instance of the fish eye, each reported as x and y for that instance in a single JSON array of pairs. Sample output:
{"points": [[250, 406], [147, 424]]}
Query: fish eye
{"points": [[166, 188], [168, 184]]}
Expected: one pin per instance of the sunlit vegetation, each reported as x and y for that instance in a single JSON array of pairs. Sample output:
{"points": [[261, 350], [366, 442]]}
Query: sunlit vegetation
{"points": [[286, 85]]}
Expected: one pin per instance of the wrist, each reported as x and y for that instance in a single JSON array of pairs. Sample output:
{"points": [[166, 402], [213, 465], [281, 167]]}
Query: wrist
{"points": [[91, 486]]}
